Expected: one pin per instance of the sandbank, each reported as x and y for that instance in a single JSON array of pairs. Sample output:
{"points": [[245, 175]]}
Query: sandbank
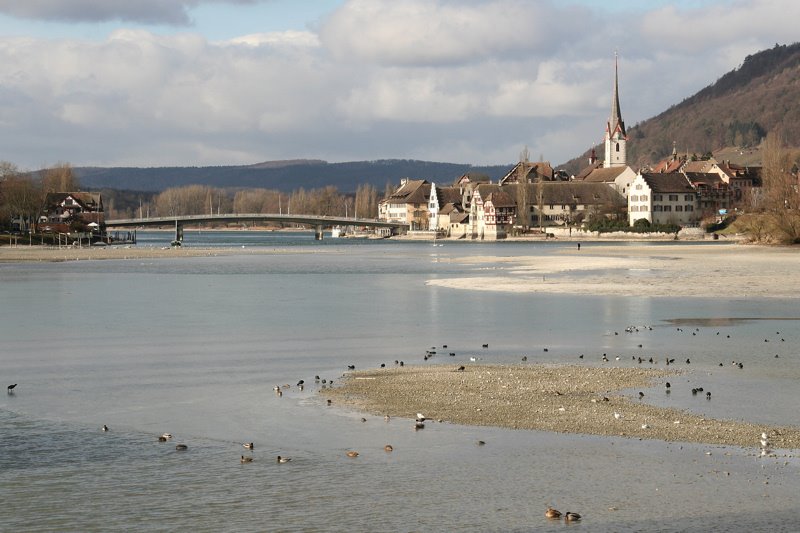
{"points": [[559, 398], [674, 270]]}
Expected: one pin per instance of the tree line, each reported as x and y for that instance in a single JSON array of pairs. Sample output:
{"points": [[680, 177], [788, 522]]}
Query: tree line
{"points": [[22, 199], [203, 199]]}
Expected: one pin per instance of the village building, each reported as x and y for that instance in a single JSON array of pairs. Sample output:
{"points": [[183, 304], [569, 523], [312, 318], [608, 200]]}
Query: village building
{"points": [[714, 196], [619, 178], [73, 213], [571, 203], [528, 172], [740, 179], [663, 199], [444, 202], [492, 212], [409, 204]]}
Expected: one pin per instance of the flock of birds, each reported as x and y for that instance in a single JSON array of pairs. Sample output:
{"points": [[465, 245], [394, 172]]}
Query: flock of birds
{"points": [[419, 422]]}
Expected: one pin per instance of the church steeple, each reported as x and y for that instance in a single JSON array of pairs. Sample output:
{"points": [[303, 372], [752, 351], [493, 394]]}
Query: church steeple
{"points": [[615, 128]]}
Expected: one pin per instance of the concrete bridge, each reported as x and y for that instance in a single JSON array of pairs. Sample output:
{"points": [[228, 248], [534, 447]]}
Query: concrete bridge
{"points": [[317, 222]]}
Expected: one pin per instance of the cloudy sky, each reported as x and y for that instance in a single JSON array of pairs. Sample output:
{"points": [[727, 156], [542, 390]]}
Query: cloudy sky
{"points": [[202, 82]]}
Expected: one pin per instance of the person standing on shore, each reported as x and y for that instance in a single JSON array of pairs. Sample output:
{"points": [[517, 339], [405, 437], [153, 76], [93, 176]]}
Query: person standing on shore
{"points": [[579, 246]]}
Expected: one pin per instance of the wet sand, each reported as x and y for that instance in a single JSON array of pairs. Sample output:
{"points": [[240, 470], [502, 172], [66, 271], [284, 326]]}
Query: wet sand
{"points": [[558, 398], [674, 270]]}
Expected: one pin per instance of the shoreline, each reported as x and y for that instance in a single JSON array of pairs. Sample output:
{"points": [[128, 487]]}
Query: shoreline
{"points": [[545, 397], [676, 270]]}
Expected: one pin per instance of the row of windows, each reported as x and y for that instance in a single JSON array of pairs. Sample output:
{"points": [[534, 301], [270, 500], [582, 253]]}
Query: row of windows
{"points": [[673, 197], [643, 208], [642, 198], [677, 208]]}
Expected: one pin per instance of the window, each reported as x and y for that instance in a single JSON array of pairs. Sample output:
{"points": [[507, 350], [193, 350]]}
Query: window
{"points": [[687, 197], [667, 208], [634, 198], [657, 198], [617, 147], [643, 198], [657, 208], [688, 208], [638, 186], [673, 197], [678, 208]]}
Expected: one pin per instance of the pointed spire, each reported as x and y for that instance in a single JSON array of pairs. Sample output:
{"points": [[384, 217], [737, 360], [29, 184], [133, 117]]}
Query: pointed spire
{"points": [[615, 123]]}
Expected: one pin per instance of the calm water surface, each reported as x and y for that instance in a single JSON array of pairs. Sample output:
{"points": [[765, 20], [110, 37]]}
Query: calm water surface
{"points": [[194, 347]]}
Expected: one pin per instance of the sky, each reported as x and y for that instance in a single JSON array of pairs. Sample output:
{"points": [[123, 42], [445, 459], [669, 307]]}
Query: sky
{"points": [[236, 82]]}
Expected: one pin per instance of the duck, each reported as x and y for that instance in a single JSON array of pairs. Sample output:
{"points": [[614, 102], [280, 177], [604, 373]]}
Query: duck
{"points": [[181, 447], [283, 459], [419, 425], [162, 438], [552, 514], [167, 435], [248, 445], [388, 448], [352, 453], [105, 427], [571, 517], [246, 459]]}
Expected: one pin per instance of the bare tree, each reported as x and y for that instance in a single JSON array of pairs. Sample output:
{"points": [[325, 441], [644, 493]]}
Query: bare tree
{"points": [[366, 203], [59, 178], [523, 211], [22, 199], [781, 197]]}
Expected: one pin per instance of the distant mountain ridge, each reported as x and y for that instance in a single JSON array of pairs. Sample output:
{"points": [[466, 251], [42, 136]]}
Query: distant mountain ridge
{"points": [[738, 110], [284, 176]]}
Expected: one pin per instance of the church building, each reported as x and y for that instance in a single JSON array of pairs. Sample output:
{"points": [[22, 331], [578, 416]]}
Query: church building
{"points": [[615, 137]]}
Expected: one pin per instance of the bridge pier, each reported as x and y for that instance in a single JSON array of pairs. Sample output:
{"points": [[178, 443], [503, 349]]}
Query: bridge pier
{"points": [[178, 232], [318, 232]]}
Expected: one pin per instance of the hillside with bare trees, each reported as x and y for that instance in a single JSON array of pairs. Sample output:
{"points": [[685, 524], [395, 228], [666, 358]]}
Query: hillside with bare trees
{"points": [[738, 110]]}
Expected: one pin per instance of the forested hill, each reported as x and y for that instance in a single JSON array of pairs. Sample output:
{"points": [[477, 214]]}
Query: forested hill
{"points": [[284, 176], [738, 110]]}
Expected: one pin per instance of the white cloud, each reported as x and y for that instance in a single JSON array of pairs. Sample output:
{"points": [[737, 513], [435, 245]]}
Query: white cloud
{"points": [[422, 32], [144, 11], [471, 81]]}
